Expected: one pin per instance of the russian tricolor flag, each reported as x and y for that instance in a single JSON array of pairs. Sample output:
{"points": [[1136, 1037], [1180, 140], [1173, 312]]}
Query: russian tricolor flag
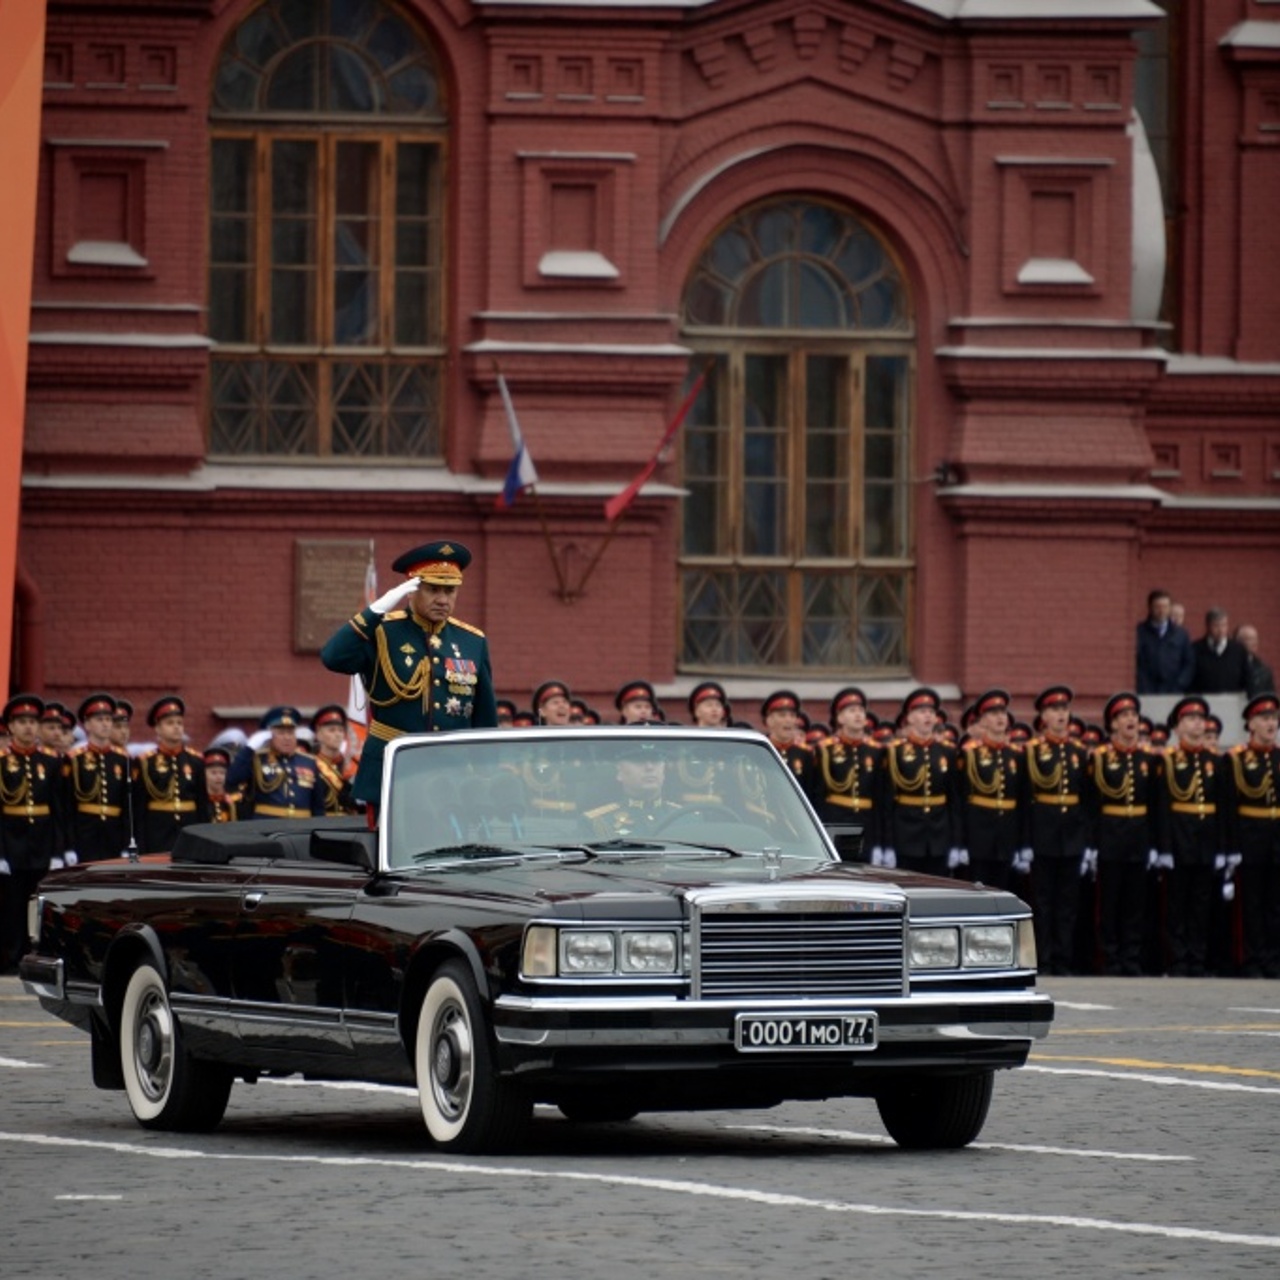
{"points": [[521, 474]]}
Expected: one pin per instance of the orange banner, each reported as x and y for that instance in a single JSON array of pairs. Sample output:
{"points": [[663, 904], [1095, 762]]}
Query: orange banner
{"points": [[21, 81]]}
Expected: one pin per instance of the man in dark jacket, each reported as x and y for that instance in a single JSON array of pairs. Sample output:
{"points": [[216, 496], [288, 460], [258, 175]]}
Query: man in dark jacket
{"points": [[1165, 661], [1258, 676], [1222, 664]]}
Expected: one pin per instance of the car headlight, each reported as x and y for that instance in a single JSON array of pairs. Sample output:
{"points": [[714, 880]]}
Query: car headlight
{"points": [[934, 948], [988, 946], [648, 952], [586, 952], [1027, 958]]}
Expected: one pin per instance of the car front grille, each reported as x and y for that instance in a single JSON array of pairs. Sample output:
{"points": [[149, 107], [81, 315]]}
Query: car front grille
{"points": [[797, 950]]}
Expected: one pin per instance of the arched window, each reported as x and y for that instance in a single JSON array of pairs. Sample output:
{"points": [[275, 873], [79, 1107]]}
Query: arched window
{"points": [[796, 534], [326, 255]]}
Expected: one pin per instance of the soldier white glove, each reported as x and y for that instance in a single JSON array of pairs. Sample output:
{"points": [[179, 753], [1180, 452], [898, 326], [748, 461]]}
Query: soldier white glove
{"points": [[1022, 861], [71, 857], [4, 868], [957, 858], [1228, 890], [56, 864], [1219, 861], [1165, 862], [1233, 861], [884, 858], [394, 596], [877, 857], [1089, 863]]}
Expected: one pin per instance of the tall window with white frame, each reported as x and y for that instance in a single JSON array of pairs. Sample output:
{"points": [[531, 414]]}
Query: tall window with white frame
{"points": [[326, 308], [796, 545]]}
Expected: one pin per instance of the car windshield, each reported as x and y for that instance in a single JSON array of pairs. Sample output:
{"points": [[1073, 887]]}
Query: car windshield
{"points": [[598, 792]]}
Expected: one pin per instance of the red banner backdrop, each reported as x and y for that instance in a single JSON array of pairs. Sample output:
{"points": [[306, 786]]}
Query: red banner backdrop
{"points": [[21, 77]]}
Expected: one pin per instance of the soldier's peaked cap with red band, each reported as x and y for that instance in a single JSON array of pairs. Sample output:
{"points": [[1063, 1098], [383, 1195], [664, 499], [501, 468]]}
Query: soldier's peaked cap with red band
{"points": [[169, 705], [439, 563], [1117, 703], [1056, 695], [97, 704]]}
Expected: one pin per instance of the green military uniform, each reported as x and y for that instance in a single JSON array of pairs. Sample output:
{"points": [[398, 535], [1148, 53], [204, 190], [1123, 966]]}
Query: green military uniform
{"points": [[421, 676]]}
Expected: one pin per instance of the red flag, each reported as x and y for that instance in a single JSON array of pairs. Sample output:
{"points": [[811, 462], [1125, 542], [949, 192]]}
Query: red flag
{"points": [[621, 501]]}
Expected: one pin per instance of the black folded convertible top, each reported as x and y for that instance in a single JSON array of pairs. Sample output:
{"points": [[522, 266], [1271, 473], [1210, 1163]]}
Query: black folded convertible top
{"points": [[219, 842]]}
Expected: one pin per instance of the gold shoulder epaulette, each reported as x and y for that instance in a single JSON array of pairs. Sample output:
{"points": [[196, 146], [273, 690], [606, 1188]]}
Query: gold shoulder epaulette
{"points": [[600, 812], [466, 626], [396, 615]]}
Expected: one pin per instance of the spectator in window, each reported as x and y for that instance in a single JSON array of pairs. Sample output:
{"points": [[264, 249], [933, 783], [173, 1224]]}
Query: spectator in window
{"points": [[1165, 661], [1222, 664], [1258, 677]]}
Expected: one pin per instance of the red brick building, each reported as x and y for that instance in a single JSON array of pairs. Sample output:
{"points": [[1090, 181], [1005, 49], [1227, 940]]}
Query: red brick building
{"points": [[986, 358]]}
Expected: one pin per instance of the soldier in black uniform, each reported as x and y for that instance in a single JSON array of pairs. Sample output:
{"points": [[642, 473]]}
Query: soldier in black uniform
{"points": [[1124, 779], [990, 788], [636, 703], [922, 829], [1190, 836], [1055, 772], [33, 821], [169, 788], [122, 724], [849, 774], [53, 728], [222, 807], [1254, 834], [98, 775], [553, 703], [329, 725], [779, 712], [277, 780], [709, 705]]}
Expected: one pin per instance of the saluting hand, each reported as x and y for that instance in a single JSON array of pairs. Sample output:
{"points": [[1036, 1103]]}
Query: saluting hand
{"points": [[394, 596]]}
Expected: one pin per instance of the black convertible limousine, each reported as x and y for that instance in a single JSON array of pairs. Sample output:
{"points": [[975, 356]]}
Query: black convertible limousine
{"points": [[609, 920]]}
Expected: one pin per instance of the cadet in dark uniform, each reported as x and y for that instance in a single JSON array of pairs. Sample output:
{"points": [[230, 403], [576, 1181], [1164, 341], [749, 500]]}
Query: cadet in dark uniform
{"points": [[98, 775], [53, 728], [1124, 778], [1055, 769], [849, 774], [1191, 836], [553, 703], [709, 705], [636, 703], [505, 710], [222, 807], [169, 788], [779, 712], [121, 724], [277, 780], [640, 807], [922, 829], [33, 821], [329, 725], [990, 789], [1254, 834], [425, 670]]}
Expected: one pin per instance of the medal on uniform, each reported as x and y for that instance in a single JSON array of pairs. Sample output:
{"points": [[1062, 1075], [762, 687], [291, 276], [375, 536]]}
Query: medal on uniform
{"points": [[434, 642]]}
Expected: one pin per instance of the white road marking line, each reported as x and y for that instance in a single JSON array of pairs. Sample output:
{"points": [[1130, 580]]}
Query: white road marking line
{"points": [[1080, 1004], [347, 1086], [1244, 1008], [879, 1138], [679, 1187], [72, 1196], [18, 1062], [1144, 1078]]}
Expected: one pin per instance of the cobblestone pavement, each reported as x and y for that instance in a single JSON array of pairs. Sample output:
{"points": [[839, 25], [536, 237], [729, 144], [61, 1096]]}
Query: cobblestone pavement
{"points": [[1142, 1140]]}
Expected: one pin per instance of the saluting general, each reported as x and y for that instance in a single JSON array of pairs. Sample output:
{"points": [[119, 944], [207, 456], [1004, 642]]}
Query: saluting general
{"points": [[423, 669]]}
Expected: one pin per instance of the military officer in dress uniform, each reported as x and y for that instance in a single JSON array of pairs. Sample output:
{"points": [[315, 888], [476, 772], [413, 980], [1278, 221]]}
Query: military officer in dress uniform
{"points": [[553, 703], [991, 786], [709, 705], [33, 821], [636, 703], [1254, 834], [780, 713], [329, 727], [277, 780], [121, 724], [849, 774], [640, 807], [425, 670], [98, 774], [222, 807], [1055, 771], [51, 728], [1190, 836], [1124, 780], [922, 828], [169, 788]]}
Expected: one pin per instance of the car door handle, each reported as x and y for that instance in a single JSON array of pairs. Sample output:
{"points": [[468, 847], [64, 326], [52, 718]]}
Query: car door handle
{"points": [[253, 899]]}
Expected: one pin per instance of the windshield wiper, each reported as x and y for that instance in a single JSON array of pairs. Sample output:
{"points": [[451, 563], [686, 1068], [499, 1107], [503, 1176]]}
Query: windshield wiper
{"points": [[605, 847], [469, 852]]}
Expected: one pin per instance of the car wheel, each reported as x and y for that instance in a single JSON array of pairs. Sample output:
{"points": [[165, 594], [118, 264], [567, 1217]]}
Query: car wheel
{"points": [[588, 1110], [167, 1088], [937, 1112], [466, 1105]]}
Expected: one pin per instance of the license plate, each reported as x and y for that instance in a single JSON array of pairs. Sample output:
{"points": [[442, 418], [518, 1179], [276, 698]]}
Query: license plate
{"points": [[803, 1032]]}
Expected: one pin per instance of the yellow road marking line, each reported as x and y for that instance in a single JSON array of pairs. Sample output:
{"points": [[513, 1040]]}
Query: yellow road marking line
{"points": [[6, 1023], [1142, 1064]]}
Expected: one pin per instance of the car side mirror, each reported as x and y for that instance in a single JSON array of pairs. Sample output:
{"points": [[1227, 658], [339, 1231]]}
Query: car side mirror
{"points": [[847, 839]]}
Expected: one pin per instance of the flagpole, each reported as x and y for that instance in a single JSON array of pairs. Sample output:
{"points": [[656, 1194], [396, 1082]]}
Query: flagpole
{"points": [[595, 559], [551, 550]]}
